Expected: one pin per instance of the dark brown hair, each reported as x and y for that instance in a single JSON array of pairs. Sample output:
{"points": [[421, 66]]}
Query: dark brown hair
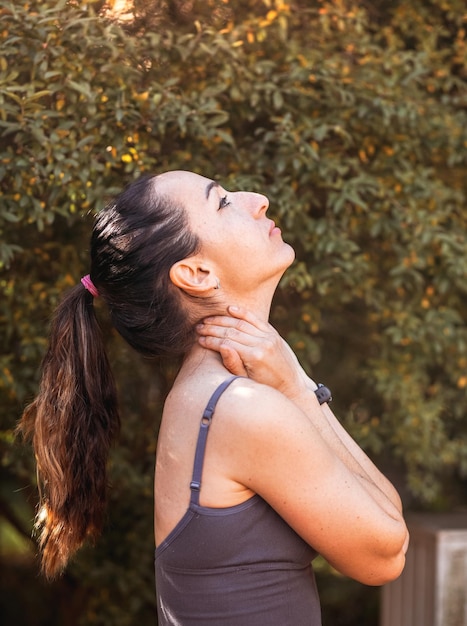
{"points": [[74, 418]]}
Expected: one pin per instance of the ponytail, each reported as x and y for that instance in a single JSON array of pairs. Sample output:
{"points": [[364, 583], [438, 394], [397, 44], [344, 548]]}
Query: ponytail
{"points": [[72, 423], [74, 419]]}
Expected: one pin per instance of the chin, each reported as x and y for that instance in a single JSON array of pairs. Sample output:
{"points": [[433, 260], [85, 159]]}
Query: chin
{"points": [[288, 259], [282, 261], [291, 255]]}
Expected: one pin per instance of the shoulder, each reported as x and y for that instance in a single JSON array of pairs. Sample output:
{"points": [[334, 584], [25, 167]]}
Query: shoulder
{"points": [[258, 412], [266, 432], [249, 404]]}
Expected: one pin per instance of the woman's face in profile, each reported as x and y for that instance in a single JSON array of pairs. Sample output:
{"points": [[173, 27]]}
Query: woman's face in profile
{"points": [[235, 232]]}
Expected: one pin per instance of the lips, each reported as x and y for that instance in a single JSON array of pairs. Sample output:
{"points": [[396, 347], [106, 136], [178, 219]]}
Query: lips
{"points": [[274, 230]]}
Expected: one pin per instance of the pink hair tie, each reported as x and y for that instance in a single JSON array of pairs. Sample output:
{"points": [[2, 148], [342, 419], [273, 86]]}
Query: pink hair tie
{"points": [[89, 285]]}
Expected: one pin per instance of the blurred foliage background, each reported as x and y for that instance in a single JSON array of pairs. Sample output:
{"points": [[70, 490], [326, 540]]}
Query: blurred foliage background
{"points": [[351, 116]]}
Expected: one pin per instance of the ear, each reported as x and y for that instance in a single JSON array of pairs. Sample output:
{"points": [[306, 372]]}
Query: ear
{"points": [[193, 277]]}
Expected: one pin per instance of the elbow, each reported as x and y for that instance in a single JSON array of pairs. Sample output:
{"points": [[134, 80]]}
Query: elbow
{"points": [[376, 572], [373, 559], [391, 561], [398, 561], [389, 571]]}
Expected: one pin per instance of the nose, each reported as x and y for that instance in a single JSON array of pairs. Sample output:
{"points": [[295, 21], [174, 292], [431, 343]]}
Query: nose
{"points": [[256, 203], [263, 202]]}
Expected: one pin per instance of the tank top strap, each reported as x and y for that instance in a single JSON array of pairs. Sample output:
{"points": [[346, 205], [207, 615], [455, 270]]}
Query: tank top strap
{"points": [[195, 484]]}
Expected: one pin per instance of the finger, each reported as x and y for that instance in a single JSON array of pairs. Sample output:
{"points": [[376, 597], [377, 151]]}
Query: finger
{"points": [[227, 343], [232, 361], [248, 316], [239, 317], [239, 331], [230, 356], [227, 321]]}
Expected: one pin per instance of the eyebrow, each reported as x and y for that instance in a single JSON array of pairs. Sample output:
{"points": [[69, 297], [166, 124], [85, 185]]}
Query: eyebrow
{"points": [[210, 186]]}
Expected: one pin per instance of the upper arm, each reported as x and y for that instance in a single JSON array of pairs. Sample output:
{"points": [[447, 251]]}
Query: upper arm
{"points": [[281, 456]]}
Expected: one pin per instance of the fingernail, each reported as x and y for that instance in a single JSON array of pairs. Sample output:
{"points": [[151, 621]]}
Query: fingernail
{"points": [[233, 308]]}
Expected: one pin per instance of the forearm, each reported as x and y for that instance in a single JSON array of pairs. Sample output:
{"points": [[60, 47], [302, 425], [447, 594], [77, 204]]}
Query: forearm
{"points": [[348, 451], [368, 468]]}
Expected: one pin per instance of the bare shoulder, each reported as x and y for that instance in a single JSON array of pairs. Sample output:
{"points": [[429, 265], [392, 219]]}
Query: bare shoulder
{"points": [[275, 449], [252, 406], [266, 424]]}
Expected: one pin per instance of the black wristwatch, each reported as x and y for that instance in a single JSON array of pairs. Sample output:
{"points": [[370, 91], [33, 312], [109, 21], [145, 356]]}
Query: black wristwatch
{"points": [[323, 393]]}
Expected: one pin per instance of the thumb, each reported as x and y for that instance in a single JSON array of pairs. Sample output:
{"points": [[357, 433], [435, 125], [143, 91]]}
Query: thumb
{"points": [[232, 361]]}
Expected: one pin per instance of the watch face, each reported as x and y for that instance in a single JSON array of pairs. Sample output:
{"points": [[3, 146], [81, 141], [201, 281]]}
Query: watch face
{"points": [[323, 394]]}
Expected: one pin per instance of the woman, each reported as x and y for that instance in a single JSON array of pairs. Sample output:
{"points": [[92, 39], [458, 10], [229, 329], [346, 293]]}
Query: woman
{"points": [[254, 475]]}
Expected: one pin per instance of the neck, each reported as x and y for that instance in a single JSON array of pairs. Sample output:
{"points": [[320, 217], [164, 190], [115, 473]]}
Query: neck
{"points": [[261, 308], [200, 361], [258, 301]]}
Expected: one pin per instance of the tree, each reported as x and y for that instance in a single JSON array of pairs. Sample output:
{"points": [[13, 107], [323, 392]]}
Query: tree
{"points": [[350, 116]]}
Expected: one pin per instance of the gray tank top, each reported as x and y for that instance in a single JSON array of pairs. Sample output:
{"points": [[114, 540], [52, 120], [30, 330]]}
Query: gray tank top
{"points": [[237, 566]]}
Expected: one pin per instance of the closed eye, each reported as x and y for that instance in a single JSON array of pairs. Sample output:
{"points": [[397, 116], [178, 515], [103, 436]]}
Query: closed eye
{"points": [[223, 202]]}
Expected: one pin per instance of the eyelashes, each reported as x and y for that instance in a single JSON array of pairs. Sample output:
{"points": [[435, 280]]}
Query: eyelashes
{"points": [[223, 202]]}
